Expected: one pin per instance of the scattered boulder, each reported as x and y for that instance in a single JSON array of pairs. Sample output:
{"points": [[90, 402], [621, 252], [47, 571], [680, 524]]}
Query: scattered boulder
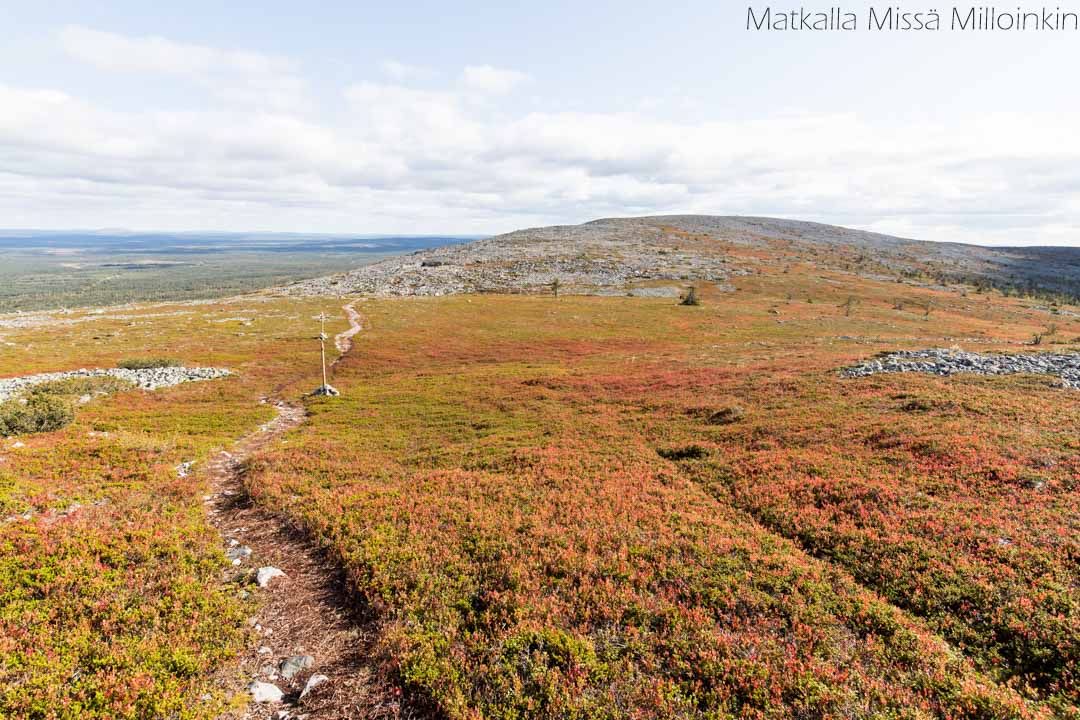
{"points": [[294, 665], [313, 682], [238, 553], [326, 390], [267, 574], [264, 692]]}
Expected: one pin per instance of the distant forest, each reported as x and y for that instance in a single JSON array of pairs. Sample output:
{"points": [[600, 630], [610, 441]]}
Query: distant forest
{"points": [[45, 270]]}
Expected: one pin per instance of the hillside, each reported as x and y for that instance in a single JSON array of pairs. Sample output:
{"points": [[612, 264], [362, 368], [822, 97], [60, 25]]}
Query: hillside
{"points": [[614, 254], [821, 493]]}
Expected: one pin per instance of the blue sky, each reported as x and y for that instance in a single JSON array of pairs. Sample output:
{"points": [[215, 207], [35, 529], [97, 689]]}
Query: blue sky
{"points": [[477, 118]]}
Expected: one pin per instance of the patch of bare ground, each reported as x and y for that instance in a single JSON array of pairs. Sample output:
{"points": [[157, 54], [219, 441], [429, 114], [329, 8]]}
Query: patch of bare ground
{"points": [[308, 611], [343, 341]]}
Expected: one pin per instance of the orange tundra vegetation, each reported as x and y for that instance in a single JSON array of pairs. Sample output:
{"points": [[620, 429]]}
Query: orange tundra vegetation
{"points": [[586, 507], [111, 604], [604, 507]]}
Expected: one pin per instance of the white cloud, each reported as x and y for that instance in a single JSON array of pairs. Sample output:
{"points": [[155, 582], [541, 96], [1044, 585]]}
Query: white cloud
{"points": [[237, 76], [491, 80], [403, 72], [404, 158]]}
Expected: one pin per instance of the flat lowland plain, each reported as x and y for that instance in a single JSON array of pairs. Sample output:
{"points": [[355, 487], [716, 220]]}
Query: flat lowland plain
{"points": [[579, 506]]}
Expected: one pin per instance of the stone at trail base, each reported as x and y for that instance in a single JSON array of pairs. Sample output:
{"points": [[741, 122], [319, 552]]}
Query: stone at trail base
{"points": [[262, 692], [326, 390], [313, 682], [266, 574], [297, 663]]}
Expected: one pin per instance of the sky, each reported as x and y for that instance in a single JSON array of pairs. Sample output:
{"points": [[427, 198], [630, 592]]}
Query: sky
{"points": [[478, 118]]}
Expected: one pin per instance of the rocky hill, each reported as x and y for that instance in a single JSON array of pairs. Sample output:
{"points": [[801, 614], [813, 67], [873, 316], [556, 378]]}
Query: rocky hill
{"points": [[615, 254]]}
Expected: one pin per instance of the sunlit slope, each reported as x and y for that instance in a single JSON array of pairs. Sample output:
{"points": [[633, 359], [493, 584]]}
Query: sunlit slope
{"points": [[613, 253], [604, 506], [111, 600]]}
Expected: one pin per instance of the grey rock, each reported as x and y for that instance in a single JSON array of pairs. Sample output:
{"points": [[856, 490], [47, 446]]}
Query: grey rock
{"points": [[290, 667], [264, 692], [148, 379], [266, 574], [313, 682], [238, 552], [947, 362], [582, 258]]}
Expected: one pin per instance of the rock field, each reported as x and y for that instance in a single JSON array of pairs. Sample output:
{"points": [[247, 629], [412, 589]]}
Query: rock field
{"points": [[149, 379], [950, 362], [583, 258], [608, 255]]}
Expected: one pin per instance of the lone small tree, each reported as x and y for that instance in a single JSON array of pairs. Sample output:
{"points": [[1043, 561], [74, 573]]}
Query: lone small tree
{"points": [[690, 297], [555, 285]]}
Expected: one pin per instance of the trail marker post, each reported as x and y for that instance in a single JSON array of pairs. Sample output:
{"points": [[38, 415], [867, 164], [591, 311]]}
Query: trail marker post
{"points": [[326, 388]]}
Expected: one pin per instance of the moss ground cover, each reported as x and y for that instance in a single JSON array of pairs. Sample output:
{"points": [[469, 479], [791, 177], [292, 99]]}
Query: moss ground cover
{"points": [[608, 507]]}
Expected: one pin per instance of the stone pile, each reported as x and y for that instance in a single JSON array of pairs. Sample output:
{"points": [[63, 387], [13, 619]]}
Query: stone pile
{"points": [[147, 379], [951, 361]]}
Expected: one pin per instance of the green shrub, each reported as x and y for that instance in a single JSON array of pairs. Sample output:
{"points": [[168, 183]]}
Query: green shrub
{"points": [[79, 386], [147, 363], [726, 415], [689, 452], [39, 413]]}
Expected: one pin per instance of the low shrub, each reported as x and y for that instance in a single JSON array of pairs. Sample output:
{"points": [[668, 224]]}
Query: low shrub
{"points": [[38, 413], [726, 415], [79, 386], [147, 363], [689, 452]]}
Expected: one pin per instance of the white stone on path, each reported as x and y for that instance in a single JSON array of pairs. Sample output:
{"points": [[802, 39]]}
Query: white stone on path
{"points": [[266, 574], [295, 664], [313, 682], [263, 692]]}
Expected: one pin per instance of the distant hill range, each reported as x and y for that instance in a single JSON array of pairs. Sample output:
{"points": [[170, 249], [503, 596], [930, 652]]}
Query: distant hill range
{"points": [[617, 253]]}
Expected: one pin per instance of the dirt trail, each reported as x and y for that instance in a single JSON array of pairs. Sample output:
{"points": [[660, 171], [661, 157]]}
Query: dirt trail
{"points": [[308, 611], [343, 340]]}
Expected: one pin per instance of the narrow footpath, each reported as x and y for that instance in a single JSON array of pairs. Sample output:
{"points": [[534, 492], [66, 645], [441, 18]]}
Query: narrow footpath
{"points": [[312, 656]]}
